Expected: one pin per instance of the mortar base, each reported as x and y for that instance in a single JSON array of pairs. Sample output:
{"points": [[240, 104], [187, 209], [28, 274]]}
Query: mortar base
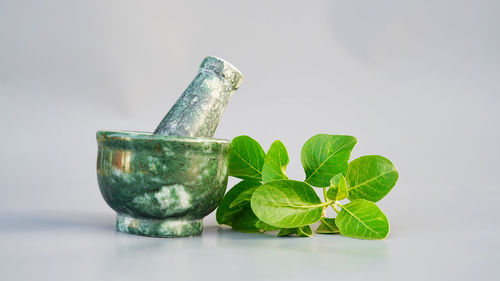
{"points": [[177, 227]]}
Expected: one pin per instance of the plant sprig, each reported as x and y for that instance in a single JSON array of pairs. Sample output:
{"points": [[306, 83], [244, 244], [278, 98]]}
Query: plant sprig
{"points": [[267, 200]]}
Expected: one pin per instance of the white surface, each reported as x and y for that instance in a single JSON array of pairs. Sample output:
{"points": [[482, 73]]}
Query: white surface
{"points": [[415, 81], [79, 246]]}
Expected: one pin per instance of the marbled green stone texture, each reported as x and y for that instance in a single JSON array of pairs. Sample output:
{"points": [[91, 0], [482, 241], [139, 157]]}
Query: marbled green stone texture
{"points": [[159, 228], [199, 109], [161, 181]]}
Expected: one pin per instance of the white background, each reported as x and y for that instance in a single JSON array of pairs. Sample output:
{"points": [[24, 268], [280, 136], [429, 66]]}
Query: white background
{"points": [[415, 81]]}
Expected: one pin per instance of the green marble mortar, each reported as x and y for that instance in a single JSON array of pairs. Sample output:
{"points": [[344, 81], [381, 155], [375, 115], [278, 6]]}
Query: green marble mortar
{"points": [[161, 185]]}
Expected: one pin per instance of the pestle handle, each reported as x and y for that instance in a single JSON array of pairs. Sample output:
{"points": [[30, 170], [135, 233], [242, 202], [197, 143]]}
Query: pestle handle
{"points": [[199, 109]]}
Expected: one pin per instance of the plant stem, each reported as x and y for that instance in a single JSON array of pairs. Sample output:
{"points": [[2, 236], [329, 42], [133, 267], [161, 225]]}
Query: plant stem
{"points": [[327, 203], [323, 214], [335, 209], [332, 203]]}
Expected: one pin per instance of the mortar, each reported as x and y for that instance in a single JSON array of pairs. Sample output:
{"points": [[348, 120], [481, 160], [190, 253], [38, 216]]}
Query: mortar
{"points": [[162, 184]]}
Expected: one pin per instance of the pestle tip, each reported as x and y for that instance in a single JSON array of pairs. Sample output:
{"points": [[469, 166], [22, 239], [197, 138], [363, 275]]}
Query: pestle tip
{"points": [[223, 69]]}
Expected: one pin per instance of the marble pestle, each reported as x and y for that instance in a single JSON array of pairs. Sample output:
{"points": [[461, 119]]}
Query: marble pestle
{"points": [[199, 109]]}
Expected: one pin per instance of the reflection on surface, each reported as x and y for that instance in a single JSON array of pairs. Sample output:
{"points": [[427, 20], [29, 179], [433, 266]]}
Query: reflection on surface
{"points": [[121, 160], [63, 241], [224, 238], [213, 237], [259, 256]]}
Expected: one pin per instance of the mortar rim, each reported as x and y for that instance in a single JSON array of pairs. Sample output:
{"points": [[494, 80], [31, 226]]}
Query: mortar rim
{"points": [[123, 135]]}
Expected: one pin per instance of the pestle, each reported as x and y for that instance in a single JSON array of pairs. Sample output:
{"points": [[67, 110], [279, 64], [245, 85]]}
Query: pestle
{"points": [[199, 109]]}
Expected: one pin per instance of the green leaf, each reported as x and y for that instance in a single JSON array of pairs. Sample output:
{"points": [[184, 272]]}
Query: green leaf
{"points": [[327, 226], [246, 221], [287, 231], [371, 178], [244, 197], [262, 226], [227, 211], [304, 231], [246, 158], [287, 204], [275, 163], [324, 156], [362, 219], [338, 188]]}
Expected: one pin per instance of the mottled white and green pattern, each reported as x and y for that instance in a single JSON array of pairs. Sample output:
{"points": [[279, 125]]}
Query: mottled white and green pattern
{"points": [[199, 109], [159, 228], [161, 185]]}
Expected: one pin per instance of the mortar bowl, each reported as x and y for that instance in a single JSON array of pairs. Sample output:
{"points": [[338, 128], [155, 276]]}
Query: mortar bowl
{"points": [[161, 186]]}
